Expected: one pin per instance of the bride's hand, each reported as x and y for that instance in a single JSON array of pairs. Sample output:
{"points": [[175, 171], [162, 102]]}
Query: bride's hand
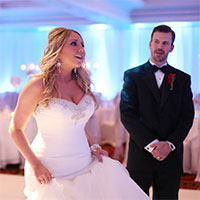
{"points": [[42, 174], [98, 153]]}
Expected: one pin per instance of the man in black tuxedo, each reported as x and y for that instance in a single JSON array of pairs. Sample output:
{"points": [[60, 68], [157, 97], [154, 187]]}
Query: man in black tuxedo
{"points": [[157, 110]]}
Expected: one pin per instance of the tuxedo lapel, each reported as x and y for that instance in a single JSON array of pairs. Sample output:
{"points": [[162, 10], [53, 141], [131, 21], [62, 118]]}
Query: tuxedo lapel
{"points": [[150, 81], [165, 87], [165, 91]]}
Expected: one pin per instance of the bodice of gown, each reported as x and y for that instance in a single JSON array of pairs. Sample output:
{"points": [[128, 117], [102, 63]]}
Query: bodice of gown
{"points": [[61, 143], [62, 147]]}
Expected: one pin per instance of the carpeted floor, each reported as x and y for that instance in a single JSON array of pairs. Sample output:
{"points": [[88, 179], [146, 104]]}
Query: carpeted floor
{"points": [[12, 169], [187, 182]]}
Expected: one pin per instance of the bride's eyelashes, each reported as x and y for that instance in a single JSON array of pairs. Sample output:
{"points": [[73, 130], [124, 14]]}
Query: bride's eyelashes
{"points": [[74, 43]]}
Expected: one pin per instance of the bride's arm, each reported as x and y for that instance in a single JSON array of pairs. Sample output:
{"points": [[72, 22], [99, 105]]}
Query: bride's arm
{"points": [[27, 102], [96, 149]]}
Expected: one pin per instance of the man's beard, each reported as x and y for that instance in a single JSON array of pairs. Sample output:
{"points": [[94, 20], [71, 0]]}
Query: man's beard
{"points": [[160, 58]]}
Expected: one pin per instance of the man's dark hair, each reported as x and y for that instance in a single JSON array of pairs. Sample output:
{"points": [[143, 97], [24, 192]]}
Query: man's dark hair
{"points": [[164, 29]]}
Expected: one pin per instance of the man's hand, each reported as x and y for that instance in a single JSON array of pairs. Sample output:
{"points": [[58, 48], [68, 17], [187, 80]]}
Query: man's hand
{"points": [[161, 150]]}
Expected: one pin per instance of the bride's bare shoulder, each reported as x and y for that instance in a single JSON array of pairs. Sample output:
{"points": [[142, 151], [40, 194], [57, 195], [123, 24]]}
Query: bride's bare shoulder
{"points": [[35, 83], [34, 88]]}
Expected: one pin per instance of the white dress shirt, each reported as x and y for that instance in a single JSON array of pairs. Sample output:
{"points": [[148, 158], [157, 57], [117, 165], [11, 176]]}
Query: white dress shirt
{"points": [[159, 75]]}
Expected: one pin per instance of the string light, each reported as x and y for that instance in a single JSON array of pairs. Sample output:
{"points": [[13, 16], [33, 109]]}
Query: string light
{"points": [[30, 68]]}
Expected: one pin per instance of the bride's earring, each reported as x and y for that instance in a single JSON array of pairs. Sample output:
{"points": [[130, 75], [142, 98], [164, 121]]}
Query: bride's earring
{"points": [[76, 72], [58, 64]]}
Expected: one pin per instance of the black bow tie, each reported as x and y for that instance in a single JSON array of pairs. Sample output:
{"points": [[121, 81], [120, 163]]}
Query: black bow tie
{"points": [[163, 69]]}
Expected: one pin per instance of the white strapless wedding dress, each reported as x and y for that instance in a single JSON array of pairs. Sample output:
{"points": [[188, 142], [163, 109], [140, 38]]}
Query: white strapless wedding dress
{"points": [[62, 147]]}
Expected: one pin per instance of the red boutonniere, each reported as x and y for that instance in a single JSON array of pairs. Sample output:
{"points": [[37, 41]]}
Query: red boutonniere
{"points": [[171, 79]]}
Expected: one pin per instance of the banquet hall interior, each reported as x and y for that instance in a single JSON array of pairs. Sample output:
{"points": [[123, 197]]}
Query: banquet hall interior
{"points": [[116, 34]]}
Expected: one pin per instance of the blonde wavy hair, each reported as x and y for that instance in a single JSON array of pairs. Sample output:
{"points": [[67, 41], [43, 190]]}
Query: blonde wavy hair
{"points": [[49, 70]]}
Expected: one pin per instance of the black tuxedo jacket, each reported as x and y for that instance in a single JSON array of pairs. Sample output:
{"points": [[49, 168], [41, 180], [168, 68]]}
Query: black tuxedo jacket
{"points": [[150, 113]]}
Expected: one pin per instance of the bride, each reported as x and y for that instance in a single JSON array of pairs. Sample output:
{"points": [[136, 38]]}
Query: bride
{"points": [[63, 162]]}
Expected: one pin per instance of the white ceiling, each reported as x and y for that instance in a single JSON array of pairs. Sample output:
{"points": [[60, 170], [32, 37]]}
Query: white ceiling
{"points": [[77, 12]]}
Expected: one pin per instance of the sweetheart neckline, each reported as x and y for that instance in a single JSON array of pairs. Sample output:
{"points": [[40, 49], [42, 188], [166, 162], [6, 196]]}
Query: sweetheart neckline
{"points": [[66, 100]]}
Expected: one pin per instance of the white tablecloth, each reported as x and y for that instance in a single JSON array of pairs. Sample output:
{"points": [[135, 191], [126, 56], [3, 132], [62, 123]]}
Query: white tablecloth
{"points": [[110, 129], [93, 128], [8, 151], [191, 159]]}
